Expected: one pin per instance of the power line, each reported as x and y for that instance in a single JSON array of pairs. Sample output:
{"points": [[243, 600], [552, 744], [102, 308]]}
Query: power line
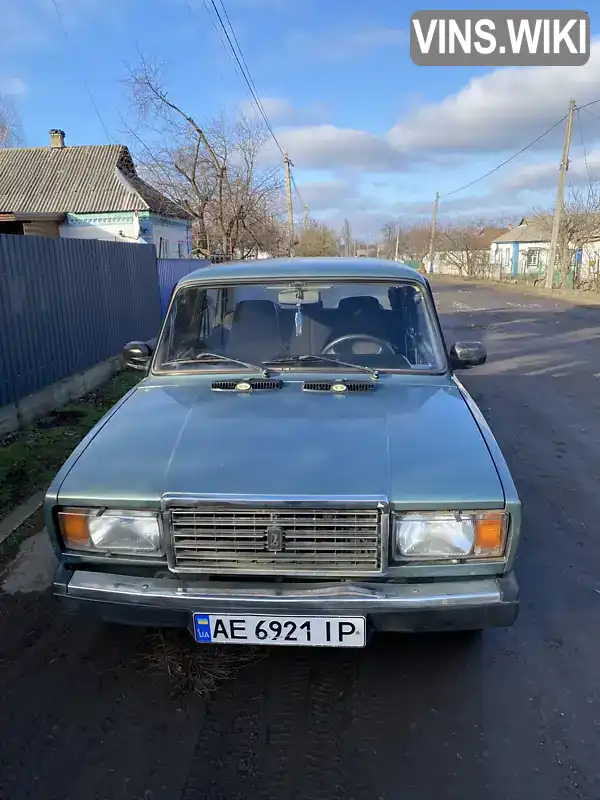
{"points": [[217, 31], [585, 105], [85, 83], [587, 111], [246, 77], [507, 161], [195, 21], [585, 158], [242, 70], [255, 93], [297, 191]]}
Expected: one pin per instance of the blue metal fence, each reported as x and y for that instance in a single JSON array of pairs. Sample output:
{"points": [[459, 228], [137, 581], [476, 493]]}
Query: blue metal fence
{"points": [[67, 304], [172, 270]]}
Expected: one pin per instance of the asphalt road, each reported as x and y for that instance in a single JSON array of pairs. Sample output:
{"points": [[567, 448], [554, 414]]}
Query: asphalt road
{"points": [[514, 715]]}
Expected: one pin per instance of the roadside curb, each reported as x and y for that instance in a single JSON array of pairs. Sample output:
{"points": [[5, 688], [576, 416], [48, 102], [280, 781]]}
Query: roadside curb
{"points": [[20, 515]]}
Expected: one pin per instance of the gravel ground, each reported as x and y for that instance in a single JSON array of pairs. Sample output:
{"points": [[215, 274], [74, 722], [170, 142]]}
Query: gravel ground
{"points": [[513, 715]]}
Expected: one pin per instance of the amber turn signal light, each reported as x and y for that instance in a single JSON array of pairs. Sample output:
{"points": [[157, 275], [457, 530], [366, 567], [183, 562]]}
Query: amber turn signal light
{"points": [[490, 534], [74, 529]]}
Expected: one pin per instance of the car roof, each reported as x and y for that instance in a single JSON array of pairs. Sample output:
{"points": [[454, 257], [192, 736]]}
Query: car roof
{"points": [[299, 268]]}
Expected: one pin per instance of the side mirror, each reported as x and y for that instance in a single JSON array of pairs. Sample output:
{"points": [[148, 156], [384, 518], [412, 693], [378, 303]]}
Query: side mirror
{"points": [[467, 354], [137, 355]]}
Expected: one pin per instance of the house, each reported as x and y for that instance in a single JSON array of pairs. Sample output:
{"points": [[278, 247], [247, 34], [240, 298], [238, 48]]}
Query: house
{"points": [[464, 251], [523, 249], [87, 192]]}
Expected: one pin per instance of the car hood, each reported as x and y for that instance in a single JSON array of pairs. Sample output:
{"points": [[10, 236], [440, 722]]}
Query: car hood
{"points": [[417, 445]]}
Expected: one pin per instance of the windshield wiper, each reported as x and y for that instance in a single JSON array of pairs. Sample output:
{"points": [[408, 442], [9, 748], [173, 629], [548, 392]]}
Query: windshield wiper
{"points": [[218, 357], [308, 357]]}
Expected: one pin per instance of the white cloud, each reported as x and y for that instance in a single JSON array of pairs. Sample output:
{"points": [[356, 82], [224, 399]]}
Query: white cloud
{"points": [[275, 108], [347, 196], [501, 110], [339, 45], [498, 112], [326, 195], [13, 86], [544, 175], [330, 147]]}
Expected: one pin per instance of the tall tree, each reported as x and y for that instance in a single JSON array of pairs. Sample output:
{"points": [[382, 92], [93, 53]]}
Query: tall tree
{"points": [[11, 131], [214, 171], [316, 239], [347, 238]]}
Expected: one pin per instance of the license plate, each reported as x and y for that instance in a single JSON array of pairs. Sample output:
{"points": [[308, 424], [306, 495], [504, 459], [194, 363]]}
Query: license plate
{"points": [[305, 631]]}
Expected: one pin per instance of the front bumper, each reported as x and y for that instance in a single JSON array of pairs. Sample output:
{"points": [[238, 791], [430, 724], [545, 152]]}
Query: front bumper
{"points": [[169, 602]]}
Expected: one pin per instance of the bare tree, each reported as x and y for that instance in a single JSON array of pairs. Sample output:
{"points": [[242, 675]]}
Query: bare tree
{"points": [[347, 238], [464, 247], [388, 235], [214, 171], [11, 132], [463, 250], [317, 239], [414, 242], [580, 224]]}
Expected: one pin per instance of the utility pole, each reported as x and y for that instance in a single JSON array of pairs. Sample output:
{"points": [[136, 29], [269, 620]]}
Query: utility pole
{"points": [[560, 193], [433, 230], [397, 239], [306, 216], [290, 207]]}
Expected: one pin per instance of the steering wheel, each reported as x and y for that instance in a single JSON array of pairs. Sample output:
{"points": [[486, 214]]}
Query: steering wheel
{"points": [[329, 349], [357, 337]]}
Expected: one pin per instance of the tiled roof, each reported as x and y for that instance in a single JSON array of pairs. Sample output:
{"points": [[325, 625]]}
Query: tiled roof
{"points": [[78, 180], [536, 229]]}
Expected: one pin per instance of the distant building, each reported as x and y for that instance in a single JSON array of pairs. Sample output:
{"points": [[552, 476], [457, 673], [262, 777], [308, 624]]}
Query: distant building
{"points": [[524, 248], [87, 192]]}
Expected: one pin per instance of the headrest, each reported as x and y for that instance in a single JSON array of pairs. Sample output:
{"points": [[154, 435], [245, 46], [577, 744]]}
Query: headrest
{"points": [[251, 309], [364, 303]]}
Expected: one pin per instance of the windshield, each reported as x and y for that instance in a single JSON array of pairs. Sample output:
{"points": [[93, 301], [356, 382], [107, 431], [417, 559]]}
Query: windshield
{"points": [[382, 326]]}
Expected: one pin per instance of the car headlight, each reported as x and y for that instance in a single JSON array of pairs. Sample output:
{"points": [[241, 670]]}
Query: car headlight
{"points": [[110, 530], [448, 535]]}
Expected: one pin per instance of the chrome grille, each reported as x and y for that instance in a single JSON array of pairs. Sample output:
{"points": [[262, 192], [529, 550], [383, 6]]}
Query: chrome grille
{"points": [[315, 541]]}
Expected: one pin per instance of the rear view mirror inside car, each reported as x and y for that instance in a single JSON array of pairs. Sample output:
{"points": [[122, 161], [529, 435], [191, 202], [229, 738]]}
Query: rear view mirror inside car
{"points": [[294, 296]]}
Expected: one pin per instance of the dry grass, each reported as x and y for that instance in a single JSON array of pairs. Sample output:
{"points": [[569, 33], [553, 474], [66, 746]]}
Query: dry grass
{"points": [[200, 669], [30, 458]]}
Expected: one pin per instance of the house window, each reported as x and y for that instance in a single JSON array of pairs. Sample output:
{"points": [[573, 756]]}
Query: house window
{"points": [[533, 258], [181, 249]]}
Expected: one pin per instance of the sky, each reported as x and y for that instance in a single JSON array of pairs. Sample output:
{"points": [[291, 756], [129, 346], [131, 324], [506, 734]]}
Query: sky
{"points": [[372, 136]]}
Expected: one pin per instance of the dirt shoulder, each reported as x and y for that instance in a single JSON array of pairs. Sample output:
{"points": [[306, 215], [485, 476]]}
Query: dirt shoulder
{"points": [[565, 295]]}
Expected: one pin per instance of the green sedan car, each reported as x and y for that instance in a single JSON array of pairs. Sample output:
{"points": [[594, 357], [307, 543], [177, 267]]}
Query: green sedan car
{"points": [[298, 466]]}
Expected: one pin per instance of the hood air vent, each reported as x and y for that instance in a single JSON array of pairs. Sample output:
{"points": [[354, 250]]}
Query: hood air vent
{"points": [[251, 385], [338, 387]]}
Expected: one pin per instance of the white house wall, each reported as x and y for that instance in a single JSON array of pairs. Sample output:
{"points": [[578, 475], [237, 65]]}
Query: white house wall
{"points": [[167, 234], [114, 227], [127, 226], [502, 256]]}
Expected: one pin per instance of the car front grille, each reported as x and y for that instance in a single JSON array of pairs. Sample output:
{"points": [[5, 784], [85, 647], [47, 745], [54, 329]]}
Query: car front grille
{"points": [[313, 541]]}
